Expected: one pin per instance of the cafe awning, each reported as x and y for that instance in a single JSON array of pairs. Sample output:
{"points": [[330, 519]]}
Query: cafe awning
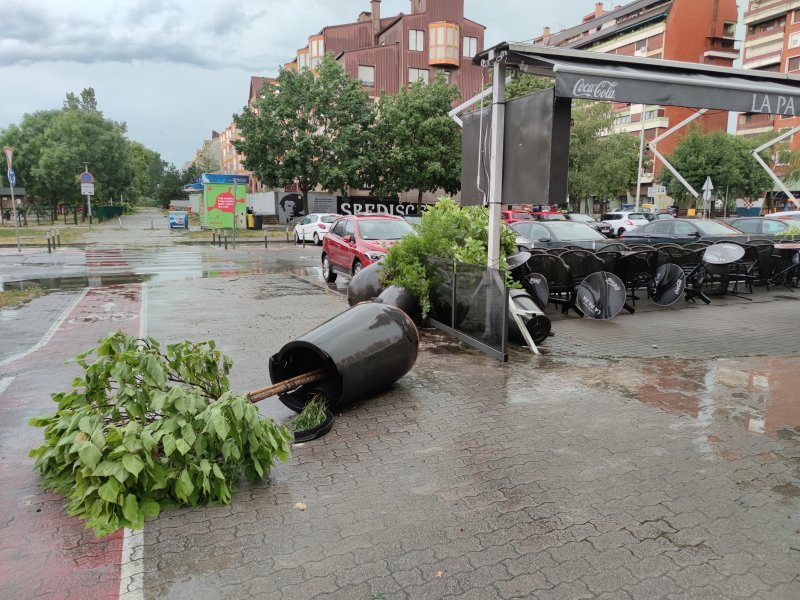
{"points": [[612, 78]]}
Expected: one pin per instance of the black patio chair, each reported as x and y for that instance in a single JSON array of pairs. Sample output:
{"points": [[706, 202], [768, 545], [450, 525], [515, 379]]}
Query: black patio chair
{"points": [[610, 259], [556, 273], [613, 247], [581, 263], [699, 245], [641, 247], [636, 270], [672, 253], [760, 242], [744, 270], [666, 245], [767, 261]]}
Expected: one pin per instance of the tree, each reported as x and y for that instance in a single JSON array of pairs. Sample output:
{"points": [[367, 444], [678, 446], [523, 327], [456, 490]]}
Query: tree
{"points": [[148, 169], [726, 158], [416, 145], [525, 84], [601, 164], [308, 129]]}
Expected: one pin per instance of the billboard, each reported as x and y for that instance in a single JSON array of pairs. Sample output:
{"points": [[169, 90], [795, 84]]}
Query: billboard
{"points": [[220, 203]]}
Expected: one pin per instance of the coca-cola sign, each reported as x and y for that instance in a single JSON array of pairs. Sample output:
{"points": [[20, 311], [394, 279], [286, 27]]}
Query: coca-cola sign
{"points": [[602, 90]]}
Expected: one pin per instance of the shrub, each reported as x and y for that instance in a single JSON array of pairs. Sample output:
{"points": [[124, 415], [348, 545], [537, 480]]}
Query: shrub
{"points": [[447, 231], [142, 430], [790, 232]]}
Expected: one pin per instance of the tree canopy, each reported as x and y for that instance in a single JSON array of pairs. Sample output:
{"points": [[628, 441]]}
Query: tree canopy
{"points": [[51, 147], [308, 129], [416, 145], [726, 158]]}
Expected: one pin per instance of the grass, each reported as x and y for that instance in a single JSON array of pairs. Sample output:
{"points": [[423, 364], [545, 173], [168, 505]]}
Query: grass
{"points": [[37, 235], [313, 415], [14, 298]]}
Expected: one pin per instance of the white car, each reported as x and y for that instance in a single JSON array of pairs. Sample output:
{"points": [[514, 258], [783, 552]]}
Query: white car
{"points": [[622, 221], [314, 227]]}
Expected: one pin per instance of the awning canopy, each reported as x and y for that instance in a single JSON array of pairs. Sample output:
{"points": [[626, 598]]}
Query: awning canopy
{"points": [[612, 78]]}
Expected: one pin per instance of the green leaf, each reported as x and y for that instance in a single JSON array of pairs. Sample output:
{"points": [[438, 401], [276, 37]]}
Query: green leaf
{"points": [[205, 467], [168, 441], [89, 454], [109, 491], [187, 431], [133, 464], [150, 508], [184, 486], [217, 471], [220, 425], [131, 511], [182, 446]]}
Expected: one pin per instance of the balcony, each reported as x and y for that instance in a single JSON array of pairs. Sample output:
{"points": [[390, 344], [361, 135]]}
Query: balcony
{"points": [[769, 10], [444, 43]]}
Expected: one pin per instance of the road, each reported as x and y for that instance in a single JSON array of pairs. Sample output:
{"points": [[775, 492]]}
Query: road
{"points": [[652, 456]]}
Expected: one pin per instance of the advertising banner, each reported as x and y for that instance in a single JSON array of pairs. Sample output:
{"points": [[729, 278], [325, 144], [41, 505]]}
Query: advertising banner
{"points": [[220, 204]]}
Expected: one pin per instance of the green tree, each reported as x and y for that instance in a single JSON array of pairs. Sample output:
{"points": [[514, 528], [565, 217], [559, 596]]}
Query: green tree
{"points": [[525, 84], [726, 158], [415, 145], [308, 129], [148, 169]]}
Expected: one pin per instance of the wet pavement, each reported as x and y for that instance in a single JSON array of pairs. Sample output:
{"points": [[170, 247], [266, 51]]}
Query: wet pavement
{"points": [[580, 474]]}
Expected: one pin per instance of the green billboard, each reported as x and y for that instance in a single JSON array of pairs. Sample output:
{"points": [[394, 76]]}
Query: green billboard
{"points": [[219, 203]]}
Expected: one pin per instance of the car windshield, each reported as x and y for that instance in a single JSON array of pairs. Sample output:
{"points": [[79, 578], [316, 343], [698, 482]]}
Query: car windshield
{"points": [[521, 216], [329, 218], [569, 230], [715, 228], [383, 229], [611, 217], [581, 218], [553, 217]]}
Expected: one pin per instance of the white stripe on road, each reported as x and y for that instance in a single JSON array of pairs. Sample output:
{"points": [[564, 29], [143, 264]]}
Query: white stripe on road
{"points": [[131, 571], [50, 332], [4, 383]]}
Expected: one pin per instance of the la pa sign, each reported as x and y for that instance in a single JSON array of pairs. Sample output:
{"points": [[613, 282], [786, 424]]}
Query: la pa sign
{"points": [[773, 104]]}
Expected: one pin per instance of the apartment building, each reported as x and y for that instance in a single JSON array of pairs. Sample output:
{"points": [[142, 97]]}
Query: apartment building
{"points": [[771, 43], [699, 31], [389, 53]]}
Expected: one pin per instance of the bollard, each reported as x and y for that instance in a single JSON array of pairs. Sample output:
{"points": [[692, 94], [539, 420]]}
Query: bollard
{"points": [[49, 251], [304, 241], [226, 241], [266, 240], [287, 234], [213, 238], [58, 236], [151, 224]]}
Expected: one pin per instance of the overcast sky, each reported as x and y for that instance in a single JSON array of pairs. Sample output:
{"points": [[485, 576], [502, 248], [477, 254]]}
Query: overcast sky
{"points": [[173, 70]]}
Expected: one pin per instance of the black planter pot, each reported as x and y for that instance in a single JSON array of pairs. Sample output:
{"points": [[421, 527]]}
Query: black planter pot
{"points": [[366, 285], [537, 325], [306, 435], [403, 299], [365, 349]]}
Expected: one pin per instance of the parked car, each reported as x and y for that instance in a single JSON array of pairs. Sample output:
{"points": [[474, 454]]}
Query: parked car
{"points": [[548, 216], [413, 220], [512, 216], [683, 231], [598, 226], [622, 221], [356, 241], [763, 226], [557, 234], [314, 227], [657, 216]]}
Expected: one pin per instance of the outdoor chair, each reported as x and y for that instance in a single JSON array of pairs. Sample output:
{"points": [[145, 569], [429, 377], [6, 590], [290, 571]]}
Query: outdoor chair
{"points": [[556, 273], [581, 263], [557, 251], [672, 253], [767, 261], [744, 270], [699, 245], [760, 242], [636, 270], [614, 247], [666, 245], [610, 259], [641, 247]]}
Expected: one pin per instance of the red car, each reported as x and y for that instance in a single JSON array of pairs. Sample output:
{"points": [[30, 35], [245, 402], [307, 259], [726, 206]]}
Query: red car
{"points": [[514, 216], [356, 241]]}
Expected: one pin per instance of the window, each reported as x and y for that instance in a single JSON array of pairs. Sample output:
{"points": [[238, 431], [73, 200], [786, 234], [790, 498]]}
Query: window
{"points": [[470, 46], [416, 40], [338, 229], [682, 228], [793, 64], [641, 46], [794, 41], [662, 227], [302, 59], [443, 43], [350, 229], [796, 17], [729, 29], [446, 74], [651, 114], [415, 75], [538, 232], [771, 226], [622, 120], [317, 51], [366, 75], [746, 225]]}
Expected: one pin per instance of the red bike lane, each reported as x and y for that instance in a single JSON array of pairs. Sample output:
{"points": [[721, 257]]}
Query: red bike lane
{"points": [[44, 553]]}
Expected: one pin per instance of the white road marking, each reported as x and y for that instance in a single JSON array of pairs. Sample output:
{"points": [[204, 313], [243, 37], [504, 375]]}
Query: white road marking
{"points": [[4, 383], [50, 332], [131, 572]]}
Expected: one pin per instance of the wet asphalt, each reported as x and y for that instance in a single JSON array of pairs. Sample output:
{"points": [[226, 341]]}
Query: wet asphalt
{"points": [[654, 456]]}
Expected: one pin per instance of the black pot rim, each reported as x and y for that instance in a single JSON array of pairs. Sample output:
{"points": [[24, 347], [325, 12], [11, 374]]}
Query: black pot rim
{"points": [[306, 435]]}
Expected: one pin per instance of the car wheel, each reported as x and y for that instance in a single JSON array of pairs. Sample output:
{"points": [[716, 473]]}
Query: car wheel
{"points": [[327, 272], [296, 238], [317, 242], [356, 268]]}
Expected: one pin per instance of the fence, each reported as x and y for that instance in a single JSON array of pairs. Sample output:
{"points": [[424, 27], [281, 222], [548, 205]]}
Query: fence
{"points": [[104, 213], [470, 302]]}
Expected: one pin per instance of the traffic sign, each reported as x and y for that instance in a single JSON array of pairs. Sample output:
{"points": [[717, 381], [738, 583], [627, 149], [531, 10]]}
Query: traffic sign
{"points": [[87, 177], [12, 178], [9, 156], [87, 189], [707, 188]]}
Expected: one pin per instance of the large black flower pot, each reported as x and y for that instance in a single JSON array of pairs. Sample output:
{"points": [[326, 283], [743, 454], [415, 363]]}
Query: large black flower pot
{"points": [[400, 297], [306, 435], [365, 349], [365, 285], [538, 325]]}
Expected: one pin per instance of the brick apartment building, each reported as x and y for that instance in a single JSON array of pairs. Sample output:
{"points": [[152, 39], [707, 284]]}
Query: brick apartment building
{"points": [[771, 43], [699, 31], [389, 53]]}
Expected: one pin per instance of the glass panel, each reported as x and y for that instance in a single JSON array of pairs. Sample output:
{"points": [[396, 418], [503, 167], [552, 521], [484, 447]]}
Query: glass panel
{"points": [[450, 36], [683, 228], [441, 289], [440, 36], [771, 226], [480, 302]]}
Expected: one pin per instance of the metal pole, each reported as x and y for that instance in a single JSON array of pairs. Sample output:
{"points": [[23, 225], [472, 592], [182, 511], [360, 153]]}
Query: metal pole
{"points": [[641, 156], [16, 221], [58, 236], [496, 160]]}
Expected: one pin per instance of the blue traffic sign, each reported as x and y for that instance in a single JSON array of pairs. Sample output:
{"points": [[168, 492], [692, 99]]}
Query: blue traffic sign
{"points": [[87, 177], [12, 178]]}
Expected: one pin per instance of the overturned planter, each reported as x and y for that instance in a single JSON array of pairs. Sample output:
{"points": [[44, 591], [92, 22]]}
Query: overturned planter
{"points": [[362, 351]]}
